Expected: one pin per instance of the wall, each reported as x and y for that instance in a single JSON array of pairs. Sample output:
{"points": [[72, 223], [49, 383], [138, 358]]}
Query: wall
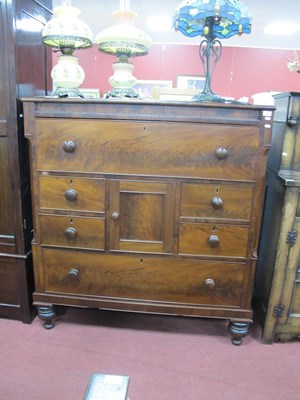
{"points": [[240, 71]]}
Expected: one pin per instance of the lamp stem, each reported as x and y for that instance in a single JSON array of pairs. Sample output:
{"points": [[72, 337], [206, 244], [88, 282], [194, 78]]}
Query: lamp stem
{"points": [[66, 3], [124, 5], [210, 51]]}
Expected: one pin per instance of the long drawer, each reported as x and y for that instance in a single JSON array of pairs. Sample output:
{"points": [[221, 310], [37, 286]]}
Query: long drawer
{"points": [[215, 151], [132, 277]]}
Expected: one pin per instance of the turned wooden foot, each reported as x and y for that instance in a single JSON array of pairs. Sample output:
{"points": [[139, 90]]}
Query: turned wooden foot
{"points": [[238, 331], [47, 314]]}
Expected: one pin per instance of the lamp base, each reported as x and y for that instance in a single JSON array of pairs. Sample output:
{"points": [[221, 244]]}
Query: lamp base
{"points": [[208, 97], [67, 92], [122, 92]]}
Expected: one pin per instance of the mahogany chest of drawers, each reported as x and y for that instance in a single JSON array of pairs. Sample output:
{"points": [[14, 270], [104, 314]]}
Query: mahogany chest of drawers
{"points": [[147, 207]]}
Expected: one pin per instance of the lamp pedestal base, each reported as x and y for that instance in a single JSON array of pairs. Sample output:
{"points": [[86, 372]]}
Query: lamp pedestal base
{"points": [[67, 92], [67, 76], [208, 97], [122, 81], [122, 92]]}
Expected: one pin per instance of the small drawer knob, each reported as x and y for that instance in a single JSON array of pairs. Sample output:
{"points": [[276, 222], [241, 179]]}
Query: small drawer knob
{"points": [[217, 202], [115, 215], [213, 241], [73, 274], [221, 153], [70, 232], [71, 194], [209, 282], [69, 146], [292, 121]]}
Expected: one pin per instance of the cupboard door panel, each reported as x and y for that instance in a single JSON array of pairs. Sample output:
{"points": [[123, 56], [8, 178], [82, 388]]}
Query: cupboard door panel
{"points": [[6, 215], [142, 216]]}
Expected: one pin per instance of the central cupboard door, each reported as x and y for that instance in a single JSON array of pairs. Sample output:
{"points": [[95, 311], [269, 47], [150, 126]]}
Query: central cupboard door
{"points": [[142, 216]]}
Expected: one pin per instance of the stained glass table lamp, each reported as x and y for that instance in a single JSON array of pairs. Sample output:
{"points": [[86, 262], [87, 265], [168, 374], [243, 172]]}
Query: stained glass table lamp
{"points": [[214, 20]]}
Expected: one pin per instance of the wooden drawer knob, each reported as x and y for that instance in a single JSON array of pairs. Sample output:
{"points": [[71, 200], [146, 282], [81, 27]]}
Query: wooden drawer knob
{"points": [[292, 121], [69, 146], [209, 282], [70, 232], [73, 274], [71, 194], [221, 153], [213, 241], [217, 202]]}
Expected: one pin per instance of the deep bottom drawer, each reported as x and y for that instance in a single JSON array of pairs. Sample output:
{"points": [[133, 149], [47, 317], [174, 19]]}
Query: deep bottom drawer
{"points": [[158, 279]]}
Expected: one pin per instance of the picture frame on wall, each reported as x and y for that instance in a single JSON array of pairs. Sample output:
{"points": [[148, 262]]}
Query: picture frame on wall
{"points": [[190, 82], [146, 87]]}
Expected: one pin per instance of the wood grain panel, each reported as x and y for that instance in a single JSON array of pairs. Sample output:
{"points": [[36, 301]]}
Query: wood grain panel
{"points": [[88, 232], [194, 239], [144, 278], [145, 216], [197, 201], [146, 149], [6, 212], [90, 193]]}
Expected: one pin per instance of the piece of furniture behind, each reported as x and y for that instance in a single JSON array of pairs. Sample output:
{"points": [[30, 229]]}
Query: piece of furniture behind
{"points": [[23, 70], [277, 283]]}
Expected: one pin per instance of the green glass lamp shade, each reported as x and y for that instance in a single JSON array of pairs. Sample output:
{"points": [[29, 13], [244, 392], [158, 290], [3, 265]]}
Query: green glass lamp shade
{"points": [[230, 17]]}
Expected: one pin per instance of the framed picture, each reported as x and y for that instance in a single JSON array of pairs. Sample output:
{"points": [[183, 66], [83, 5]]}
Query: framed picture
{"points": [[145, 87], [190, 82], [90, 93], [175, 94]]}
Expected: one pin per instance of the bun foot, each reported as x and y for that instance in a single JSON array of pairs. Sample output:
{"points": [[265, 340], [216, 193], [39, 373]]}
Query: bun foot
{"points": [[238, 330], [47, 314]]}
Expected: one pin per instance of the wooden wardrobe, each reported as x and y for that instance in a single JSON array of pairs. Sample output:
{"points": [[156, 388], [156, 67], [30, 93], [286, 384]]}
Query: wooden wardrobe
{"points": [[25, 66]]}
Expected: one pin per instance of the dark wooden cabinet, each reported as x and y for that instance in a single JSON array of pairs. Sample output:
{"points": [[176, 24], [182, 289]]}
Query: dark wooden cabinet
{"points": [[24, 69], [277, 280], [147, 207]]}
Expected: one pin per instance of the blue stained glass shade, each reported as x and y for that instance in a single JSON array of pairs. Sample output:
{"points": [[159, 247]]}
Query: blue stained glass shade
{"points": [[229, 17]]}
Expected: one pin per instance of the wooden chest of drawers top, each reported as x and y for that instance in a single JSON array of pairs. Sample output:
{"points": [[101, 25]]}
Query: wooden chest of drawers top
{"points": [[219, 142]]}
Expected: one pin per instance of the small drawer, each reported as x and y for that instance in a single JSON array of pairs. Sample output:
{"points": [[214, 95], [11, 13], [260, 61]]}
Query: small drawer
{"points": [[216, 201], [213, 240], [70, 231], [153, 279], [67, 193], [219, 151]]}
